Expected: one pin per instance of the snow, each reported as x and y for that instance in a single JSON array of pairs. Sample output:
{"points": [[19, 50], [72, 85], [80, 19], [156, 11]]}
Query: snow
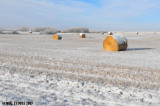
{"points": [[77, 71], [120, 38], [43, 90]]}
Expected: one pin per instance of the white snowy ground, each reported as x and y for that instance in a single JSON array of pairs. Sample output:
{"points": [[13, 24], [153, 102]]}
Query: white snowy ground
{"points": [[76, 71]]}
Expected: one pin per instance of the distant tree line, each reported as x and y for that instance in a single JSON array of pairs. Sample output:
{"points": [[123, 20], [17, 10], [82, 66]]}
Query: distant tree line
{"points": [[2, 31], [77, 30], [45, 30]]}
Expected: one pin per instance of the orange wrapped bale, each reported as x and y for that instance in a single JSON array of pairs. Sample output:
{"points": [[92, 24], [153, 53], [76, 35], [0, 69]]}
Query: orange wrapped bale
{"points": [[82, 35], [57, 37], [115, 43]]}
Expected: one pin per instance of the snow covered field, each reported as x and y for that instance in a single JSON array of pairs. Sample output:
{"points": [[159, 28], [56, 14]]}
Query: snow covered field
{"points": [[75, 71]]}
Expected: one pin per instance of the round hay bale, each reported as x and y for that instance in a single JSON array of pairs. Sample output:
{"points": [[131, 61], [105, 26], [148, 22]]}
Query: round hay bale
{"points": [[30, 32], [57, 37], [110, 33], [82, 35], [115, 43], [136, 32]]}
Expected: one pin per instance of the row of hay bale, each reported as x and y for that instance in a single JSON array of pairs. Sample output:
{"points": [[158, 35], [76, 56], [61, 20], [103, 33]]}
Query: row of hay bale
{"points": [[111, 43], [143, 33], [81, 35], [137, 33], [59, 37], [50, 30]]}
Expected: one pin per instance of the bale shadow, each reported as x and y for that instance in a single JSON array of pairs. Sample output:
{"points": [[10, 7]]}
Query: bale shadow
{"points": [[134, 49]]}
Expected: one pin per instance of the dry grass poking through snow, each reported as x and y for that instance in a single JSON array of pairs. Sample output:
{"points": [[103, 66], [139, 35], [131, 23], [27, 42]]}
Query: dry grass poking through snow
{"points": [[94, 75]]}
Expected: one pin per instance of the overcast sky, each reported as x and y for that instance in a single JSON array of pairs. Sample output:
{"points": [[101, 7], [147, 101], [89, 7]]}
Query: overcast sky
{"points": [[117, 15]]}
